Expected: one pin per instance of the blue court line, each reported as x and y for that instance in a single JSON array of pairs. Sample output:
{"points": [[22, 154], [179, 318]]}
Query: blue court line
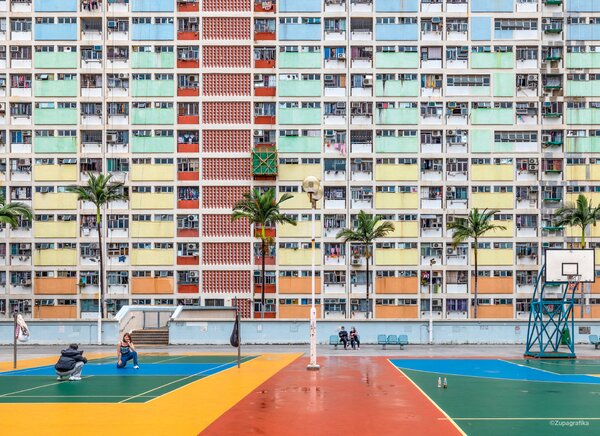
{"points": [[490, 368], [155, 369]]}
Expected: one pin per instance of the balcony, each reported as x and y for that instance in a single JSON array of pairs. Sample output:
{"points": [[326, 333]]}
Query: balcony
{"points": [[55, 229], [153, 88], [55, 144], [153, 229], [152, 32], [150, 60], [55, 60], [55, 116], [55, 32], [152, 285], [149, 116], [51, 173], [55, 88], [152, 200], [152, 257], [58, 257], [296, 60], [150, 172], [152, 144], [54, 201], [55, 286]]}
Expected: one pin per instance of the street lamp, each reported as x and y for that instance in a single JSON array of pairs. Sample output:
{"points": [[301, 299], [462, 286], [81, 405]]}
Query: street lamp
{"points": [[431, 263], [312, 186]]}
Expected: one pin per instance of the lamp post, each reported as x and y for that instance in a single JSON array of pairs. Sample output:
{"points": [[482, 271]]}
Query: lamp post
{"points": [[431, 263], [312, 186]]}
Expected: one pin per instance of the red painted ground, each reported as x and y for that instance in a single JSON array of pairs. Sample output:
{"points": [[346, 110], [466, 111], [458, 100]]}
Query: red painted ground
{"points": [[348, 396]]}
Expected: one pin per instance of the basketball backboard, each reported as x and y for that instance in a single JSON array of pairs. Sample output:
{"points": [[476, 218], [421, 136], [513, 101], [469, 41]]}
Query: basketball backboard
{"points": [[561, 265]]}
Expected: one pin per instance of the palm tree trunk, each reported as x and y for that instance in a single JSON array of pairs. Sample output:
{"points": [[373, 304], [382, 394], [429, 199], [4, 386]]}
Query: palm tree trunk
{"points": [[101, 260], [582, 237], [476, 281], [368, 300], [262, 285]]}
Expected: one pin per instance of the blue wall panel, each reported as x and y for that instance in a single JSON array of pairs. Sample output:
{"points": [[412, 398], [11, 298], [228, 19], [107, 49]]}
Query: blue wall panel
{"points": [[299, 5], [300, 32], [55, 6], [396, 32], [152, 5], [55, 32], [583, 6], [396, 5], [152, 32], [481, 28], [492, 5]]}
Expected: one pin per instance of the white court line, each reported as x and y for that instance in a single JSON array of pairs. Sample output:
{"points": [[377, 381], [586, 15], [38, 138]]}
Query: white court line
{"points": [[524, 419], [166, 360], [176, 381], [39, 387], [534, 368]]}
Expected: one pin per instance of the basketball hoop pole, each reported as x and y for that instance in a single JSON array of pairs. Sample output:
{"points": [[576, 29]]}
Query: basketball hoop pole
{"points": [[15, 340]]}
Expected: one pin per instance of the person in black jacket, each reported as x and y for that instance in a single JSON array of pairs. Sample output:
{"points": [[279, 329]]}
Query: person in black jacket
{"points": [[70, 364], [343, 334]]}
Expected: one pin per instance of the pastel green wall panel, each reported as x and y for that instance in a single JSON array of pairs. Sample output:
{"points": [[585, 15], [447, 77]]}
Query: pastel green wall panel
{"points": [[299, 60], [481, 141], [153, 116], [55, 88], [152, 144], [397, 144], [299, 88], [299, 116], [152, 60], [499, 116], [54, 144], [153, 88], [397, 88], [396, 60], [299, 144], [397, 116], [492, 60], [583, 60], [57, 116], [587, 88], [52, 60], [504, 84], [582, 144], [583, 116]]}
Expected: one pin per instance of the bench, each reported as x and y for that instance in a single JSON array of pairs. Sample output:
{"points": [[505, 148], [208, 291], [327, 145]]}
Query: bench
{"points": [[384, 340], [594, 341], [334, 340]]}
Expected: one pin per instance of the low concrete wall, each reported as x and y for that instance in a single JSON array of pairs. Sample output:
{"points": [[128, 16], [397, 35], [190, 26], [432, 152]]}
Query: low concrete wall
{"points": [[62, 332], [217, 332]]}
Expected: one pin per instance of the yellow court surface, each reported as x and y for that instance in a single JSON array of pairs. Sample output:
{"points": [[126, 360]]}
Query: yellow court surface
{"points": [[169, 395]]}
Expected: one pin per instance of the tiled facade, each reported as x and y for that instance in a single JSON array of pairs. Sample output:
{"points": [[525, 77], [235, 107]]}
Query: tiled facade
{"points": [[415, 110]]}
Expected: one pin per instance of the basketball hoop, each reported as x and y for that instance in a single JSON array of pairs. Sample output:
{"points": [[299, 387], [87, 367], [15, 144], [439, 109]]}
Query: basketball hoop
{"points": [[574, 278]]}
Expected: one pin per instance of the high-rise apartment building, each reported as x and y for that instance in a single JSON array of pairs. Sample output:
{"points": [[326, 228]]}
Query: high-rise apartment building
{"points": [[414, 110]]}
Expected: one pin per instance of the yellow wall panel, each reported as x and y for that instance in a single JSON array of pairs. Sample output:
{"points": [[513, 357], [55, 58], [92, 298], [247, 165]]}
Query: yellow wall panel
{"points": [[55, 229], [396, 200], [301, 256], [54, 201], [396, 256], [48, 173], [494, 256], [394, 172], [152, 229], [156, 256], [299, 172], [493, 200], [150, 172], [59, 257], [302, 229], [152, 200], [492, 172]]}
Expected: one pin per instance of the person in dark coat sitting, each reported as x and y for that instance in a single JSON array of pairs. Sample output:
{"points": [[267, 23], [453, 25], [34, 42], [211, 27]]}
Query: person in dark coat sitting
{"points": [[70, 364], [343, 334], [354, 339]]}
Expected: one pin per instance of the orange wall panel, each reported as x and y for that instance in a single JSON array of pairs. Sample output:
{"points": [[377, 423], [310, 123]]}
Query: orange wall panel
{"points": [[54, 312], [291, 311], [397, 285], [495, 311], [409, 312], [55, 286], [298, 285], [493, 285], [152, 285]]}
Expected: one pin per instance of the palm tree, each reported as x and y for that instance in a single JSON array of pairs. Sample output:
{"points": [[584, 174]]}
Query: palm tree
{"points": [[581, 214], [99, 191], [12, 213], [368, 228], [475, 226], [262, 209]]}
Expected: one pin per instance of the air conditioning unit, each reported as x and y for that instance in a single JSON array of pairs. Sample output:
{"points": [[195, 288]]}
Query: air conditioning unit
{"points": [[533, 189], [191, 246], [546, 138], [111, 137], [451, 133], [193, 274], [436, 245], [2, 107], [450, 250], [532, 167], [14, 48], [368, 82], [386, 245], [123, 75], [259, 132], [111, 24], [356, 261], [193, 19], [157, 104], [341, 56], [97, 48], [436, 134], [257, 77], [532, 161]]}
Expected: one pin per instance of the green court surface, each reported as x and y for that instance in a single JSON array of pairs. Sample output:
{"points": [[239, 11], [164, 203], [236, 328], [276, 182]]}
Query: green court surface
{"points": [[564, 366], [493, 405], [104, 383]]}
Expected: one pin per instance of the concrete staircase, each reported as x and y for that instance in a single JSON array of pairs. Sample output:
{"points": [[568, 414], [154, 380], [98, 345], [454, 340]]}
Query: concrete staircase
{"points": [[150, 337]]}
